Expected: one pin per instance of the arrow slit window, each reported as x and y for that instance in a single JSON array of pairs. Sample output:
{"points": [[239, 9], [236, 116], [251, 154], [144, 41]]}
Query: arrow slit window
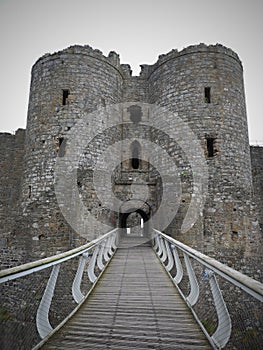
{"points": [[135, 154]]}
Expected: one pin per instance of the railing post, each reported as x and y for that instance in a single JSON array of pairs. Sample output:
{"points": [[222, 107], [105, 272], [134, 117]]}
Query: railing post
{"points": [[223, 331], [170, 257], [179, 269], [194, 291], [110, 250], [76, 292], [114, 240], [43, 325], [91, 268], [100, 262], [164, 256], [106, 250], [111, 246], [155, 241], [42, 319], [159, 246]]}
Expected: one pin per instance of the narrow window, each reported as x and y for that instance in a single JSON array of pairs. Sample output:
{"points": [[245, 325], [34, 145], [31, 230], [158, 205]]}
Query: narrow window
{"points": [[135, 151], [60, 141], [61, 146], [207, 95], [29, 191], [65, 97], [135, 161], [210, 146]]}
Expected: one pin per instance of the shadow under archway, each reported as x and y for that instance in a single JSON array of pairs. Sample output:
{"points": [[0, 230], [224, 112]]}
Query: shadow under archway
{"points": [[123, 219]]}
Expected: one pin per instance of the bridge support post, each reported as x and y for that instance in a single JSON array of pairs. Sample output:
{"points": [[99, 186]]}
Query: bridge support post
{"points": [[91, 268], [179, 269], [76, 292], [100, 257], [224, 327], [194, 293], [170, 264], [42, 319]]}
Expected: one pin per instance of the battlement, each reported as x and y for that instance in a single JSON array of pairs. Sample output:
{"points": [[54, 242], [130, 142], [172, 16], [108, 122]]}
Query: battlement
{"points": [[86, 50], [147, 70]]}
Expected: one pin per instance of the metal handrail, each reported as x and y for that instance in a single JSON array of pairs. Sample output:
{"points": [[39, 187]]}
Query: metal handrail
{"points": [[251, 286], [102, 247], [167, 248], [28, 268]]}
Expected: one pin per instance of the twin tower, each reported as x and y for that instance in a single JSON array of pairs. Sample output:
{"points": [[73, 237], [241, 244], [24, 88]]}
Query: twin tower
{"points": [[198, 93]]}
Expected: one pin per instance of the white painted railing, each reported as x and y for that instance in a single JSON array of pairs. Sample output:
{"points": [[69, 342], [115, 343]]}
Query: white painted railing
{"points": [[35, 292], [178, 260], [94, 255]]}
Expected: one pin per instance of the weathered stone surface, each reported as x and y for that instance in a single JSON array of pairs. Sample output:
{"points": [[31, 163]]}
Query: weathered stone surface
{"points": [[202, 84], [257, 174]]}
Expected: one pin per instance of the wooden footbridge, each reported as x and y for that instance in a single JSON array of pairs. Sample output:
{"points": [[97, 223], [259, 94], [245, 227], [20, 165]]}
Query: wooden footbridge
{"points": [[146, 294], [133, 306]]}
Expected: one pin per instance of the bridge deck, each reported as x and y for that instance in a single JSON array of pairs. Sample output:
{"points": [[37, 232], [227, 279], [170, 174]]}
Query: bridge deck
{"points": [[134, 306]]}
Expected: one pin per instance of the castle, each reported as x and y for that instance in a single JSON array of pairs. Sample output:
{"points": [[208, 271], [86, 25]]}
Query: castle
{"points": [[201, 89]]}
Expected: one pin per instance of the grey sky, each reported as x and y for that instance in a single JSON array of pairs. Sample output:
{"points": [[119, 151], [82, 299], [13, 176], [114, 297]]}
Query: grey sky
{"points": [[138, 30]]}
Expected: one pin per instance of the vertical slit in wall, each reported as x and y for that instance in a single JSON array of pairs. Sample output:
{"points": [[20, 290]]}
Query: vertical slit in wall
{"points": [[65, 95], [207, 95], [135, 151], [210, 147], [61, 146]]}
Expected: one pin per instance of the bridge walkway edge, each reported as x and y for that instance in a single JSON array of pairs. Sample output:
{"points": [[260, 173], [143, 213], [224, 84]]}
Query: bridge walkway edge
{"points": [[133, 306]]}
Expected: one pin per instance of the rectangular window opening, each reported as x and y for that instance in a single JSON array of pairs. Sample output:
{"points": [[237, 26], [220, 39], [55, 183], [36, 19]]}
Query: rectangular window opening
{"points": [[60, 141], [210, 147], [65, 97], [207, 95], [61, 146]]}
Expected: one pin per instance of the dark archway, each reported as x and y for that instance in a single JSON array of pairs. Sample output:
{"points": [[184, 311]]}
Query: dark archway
{"points": [[123, 218]]}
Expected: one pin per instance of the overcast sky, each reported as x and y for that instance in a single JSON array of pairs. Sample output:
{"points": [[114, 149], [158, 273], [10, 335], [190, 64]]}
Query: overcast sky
{"points": [[138, 30]]}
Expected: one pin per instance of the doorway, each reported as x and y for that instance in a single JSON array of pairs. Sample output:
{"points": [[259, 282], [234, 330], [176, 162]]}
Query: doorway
{"points": [[134, 223]]}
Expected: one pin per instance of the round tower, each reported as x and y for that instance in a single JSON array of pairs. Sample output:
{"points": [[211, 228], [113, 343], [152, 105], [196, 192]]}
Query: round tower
{"points": [[204, 85], [64, 86]]}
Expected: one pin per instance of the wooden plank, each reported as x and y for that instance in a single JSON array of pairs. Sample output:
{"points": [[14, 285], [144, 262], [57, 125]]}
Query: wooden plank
{"points": [[134, 306]]}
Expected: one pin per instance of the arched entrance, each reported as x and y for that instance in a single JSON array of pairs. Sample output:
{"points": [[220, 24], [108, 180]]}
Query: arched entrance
{"points": [[135, 223]]}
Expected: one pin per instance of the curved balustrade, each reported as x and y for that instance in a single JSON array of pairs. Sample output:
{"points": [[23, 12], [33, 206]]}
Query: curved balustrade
{"points": [[39, 297], [94, 256], [175, 254]]}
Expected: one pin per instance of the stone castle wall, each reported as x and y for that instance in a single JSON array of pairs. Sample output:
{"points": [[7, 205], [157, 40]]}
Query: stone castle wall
{"points": [[11, 170], [13, 246], [257, 174], [202, 84], [178, 82], [64, 87]]}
